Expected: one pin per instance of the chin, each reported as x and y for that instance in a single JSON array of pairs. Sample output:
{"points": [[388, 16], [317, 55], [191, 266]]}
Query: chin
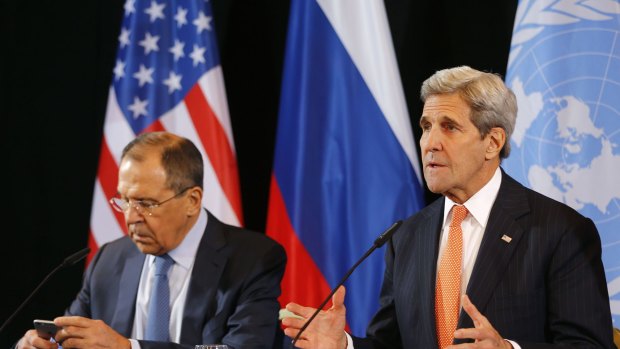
{"points": [[434, 188], [147, 248]]}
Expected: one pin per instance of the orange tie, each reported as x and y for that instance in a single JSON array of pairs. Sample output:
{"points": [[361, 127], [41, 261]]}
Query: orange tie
{"points": [[448, 287]]}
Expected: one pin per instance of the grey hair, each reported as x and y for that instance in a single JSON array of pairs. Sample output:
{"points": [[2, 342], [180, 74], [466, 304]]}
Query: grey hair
{"points": [[492, 103]]}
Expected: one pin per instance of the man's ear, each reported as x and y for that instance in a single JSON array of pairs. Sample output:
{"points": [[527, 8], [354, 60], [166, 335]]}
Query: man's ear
{"points": [[195, 200], [496, 140]]}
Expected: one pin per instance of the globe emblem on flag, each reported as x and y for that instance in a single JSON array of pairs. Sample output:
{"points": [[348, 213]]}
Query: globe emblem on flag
{"points": [[566, 143]]}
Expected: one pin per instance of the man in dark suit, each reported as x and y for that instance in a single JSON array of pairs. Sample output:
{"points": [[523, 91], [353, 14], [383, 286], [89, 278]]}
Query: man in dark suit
{"points": [[528, 269], [221, 283]]}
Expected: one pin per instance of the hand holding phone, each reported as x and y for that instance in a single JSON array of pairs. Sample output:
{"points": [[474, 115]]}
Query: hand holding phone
{"points": [[45, 328]]}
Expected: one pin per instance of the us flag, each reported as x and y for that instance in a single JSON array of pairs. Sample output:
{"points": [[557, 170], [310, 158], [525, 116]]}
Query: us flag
{"points": [[167, 77]]}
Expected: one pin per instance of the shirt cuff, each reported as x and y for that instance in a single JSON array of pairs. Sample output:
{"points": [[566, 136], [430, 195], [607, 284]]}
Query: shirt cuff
{"points": [[136, 345], [350, 341], [513, 343]]}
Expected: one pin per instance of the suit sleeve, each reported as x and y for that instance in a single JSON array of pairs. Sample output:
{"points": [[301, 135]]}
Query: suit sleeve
{"points": [[254, 321], [577, 299], [81, 305]]}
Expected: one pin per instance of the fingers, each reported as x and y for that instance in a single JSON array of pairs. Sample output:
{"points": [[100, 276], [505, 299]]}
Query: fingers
{"points": [[32, 340], [291, 332], [470, 333], [71, 321], [302, 311], [471, 310], [484, 333], [338, 297], [71, 327], [302, 342], [293, 322]]}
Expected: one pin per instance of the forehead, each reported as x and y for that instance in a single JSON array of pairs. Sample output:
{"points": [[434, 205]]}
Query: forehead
{"points": [[450, 105], [141, 177]]}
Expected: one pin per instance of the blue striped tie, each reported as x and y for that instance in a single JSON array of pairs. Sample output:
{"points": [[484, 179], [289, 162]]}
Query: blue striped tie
{"points": [[158, 316]]}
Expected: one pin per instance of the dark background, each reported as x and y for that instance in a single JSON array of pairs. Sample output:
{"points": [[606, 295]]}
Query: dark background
{"points": [[56, 60]]}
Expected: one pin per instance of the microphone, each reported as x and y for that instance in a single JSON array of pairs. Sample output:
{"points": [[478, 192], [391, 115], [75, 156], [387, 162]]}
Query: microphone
{"points": [[380, 241], [69, 261]]}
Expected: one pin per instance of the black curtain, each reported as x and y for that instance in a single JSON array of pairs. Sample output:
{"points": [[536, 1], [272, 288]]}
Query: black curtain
{"points": [[56, 60]]}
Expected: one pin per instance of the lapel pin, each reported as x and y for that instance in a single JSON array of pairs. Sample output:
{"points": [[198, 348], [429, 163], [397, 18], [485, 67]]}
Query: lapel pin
{"points": [[506, 238]]}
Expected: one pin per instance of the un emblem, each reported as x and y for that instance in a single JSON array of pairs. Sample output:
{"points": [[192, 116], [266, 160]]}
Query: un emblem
{"points": [[565, 71]]}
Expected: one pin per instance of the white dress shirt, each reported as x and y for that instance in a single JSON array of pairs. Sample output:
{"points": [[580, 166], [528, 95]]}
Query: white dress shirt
{"points": [[479, 208], [178, 277]]}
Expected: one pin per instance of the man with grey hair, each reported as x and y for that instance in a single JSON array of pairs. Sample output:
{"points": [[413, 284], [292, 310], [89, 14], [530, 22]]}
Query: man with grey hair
{"points": [[180, 277], [491, 264]]}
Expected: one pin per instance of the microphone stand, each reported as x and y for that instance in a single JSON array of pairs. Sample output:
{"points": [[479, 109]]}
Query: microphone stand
{"points": [[380, 241], [72, 259]]}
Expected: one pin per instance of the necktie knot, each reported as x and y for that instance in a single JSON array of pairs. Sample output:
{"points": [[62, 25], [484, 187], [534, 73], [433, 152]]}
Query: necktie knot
{"points": [[459, 213], [163, 264]]}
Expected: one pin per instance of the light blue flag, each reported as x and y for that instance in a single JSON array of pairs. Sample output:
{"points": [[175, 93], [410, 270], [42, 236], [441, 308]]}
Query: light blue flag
{"points": [[564, 68]]}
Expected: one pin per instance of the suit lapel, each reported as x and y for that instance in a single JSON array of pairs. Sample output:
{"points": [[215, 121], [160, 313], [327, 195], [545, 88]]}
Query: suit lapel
{"points": [[419, 268], [495, 252], [210, 261], [123, 317]]}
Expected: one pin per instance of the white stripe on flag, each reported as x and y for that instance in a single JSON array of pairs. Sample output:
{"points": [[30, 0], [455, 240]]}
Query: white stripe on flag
{"points": [[103, 223], [375, 59], [214, 199], [212, 85], [116, 130]]}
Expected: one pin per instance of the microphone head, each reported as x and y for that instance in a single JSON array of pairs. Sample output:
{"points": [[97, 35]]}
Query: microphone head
{"points": [[386, 235], [76, 257]]}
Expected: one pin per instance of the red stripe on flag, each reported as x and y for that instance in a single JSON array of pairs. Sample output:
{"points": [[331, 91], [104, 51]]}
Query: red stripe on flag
{"points": [[216, 145], [154, 127], [303, 282], [93, 247], [108, 178]]}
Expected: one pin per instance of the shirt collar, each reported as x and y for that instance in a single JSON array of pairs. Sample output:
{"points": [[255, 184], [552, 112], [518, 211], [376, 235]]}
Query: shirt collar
{"points": [[185, 253], [480, 204]]}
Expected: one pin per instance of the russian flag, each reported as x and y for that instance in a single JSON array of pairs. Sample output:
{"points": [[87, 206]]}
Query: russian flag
{"points": [[345, 164]]}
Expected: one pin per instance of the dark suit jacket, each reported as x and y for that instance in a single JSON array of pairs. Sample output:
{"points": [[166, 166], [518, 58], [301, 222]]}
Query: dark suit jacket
{"points": [[544, 289], [232, 296]]}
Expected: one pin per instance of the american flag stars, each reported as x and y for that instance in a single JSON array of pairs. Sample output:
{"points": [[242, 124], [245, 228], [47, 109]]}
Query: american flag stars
{"points": [[149, 43], [156, 11], [164, 48]]}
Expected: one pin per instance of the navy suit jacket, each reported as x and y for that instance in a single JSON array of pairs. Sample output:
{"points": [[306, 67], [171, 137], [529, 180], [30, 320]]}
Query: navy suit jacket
{"points": [[545, 288], [232, 296]]}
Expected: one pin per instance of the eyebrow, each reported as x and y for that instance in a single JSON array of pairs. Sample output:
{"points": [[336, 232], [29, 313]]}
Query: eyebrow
{"points": [[442, 119]]}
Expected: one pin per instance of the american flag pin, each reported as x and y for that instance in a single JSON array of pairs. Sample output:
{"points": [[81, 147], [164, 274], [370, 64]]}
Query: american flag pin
{"points": [[506, 238]]}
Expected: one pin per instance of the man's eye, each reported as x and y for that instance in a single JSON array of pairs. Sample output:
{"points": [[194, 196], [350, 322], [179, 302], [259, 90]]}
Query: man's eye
{"points": [[146, 204]]}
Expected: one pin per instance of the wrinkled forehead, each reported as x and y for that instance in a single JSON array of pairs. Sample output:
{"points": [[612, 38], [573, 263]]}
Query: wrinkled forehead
{"points": [[445, 106], [137, 175]]}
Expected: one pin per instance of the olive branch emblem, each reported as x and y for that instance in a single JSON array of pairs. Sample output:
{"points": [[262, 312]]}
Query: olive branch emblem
{"points": [[534, 15]]}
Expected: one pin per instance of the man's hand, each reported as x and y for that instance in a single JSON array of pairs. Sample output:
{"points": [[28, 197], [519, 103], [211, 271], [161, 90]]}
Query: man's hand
{"points": [[80, 332], [483, 333], [32, 340], [326, 330]]}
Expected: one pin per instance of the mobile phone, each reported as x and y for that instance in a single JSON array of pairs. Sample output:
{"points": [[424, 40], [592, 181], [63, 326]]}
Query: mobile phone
{"points": [[45, 328]]}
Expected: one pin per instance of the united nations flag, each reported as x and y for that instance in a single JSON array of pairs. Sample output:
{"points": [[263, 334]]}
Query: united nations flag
{"points": [[564, 68]]}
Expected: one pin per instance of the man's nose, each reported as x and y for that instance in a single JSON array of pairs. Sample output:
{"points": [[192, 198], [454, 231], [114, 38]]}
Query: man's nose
{"points": [[431, 140], [134, 214]]}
